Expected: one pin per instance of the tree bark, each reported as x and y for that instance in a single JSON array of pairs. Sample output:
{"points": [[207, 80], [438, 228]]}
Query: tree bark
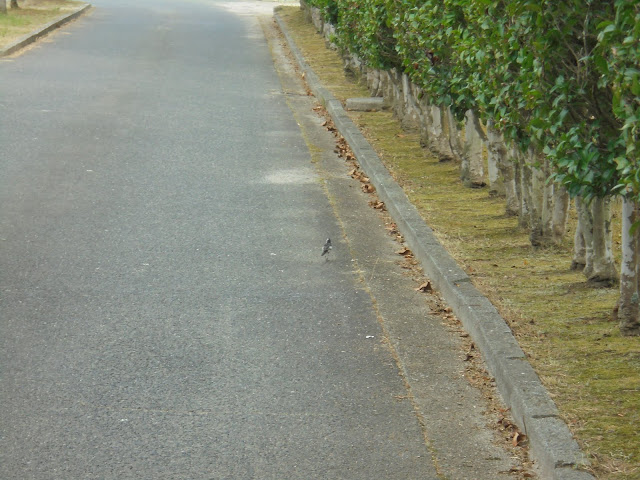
{"points": [[579, 260], [586, 229], [537, 206], [506, 165], [453, 134], [627, 309], [496, 155], [436, 138], [3, 7], [14, 4], [604, 269], [472, 168], [524, 183], [560, 213]]}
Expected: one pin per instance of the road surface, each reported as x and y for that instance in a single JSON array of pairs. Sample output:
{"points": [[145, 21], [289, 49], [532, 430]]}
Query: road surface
{"points": [[164, 309]]}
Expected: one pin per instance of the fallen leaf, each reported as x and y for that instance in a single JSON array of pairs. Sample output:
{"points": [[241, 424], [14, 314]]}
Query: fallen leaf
{"points": [[518, 438], [368, 188], [425, 287], [404, 252]]}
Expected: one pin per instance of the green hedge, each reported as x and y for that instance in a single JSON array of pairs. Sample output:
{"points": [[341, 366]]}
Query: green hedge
{"points": [[561, 76]]}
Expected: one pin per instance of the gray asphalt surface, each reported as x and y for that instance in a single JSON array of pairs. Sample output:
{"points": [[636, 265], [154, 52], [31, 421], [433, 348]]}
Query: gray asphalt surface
{"points": [[164, 309]]}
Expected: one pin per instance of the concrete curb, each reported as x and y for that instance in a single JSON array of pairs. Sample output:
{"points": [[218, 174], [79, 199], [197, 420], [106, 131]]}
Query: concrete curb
{"points": [[33, 36], [552, 446]]}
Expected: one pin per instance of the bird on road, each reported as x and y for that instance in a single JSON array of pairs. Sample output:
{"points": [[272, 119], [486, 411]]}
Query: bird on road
{"points": [[326, 247]]}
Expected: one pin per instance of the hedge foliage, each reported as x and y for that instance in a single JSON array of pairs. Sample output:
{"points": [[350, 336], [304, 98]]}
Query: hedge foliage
{"points": [[562, 77]]}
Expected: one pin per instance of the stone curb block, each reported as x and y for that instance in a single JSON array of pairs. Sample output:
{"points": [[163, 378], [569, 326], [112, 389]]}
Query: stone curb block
{"points": [[551, 443], [33, 36], [365, 104]]}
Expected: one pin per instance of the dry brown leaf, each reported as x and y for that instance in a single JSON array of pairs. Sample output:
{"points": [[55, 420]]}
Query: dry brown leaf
{"points": [[518, 438], [368, 188], [425, 287]]}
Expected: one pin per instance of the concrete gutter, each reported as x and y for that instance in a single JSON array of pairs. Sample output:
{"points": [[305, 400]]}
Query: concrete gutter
{"points": [[552, 446], [33, 36]]}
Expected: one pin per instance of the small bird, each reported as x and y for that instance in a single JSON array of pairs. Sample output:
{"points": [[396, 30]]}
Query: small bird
{"points": [[326, 247]]}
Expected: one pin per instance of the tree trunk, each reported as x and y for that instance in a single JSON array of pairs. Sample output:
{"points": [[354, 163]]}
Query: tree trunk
{"points": [[548, 200], [506, 165], [560, 213], [453, 135], [436, 139], [538, 180], [586, 229], [3, 7], [496, 155], [604, 269], [14, 4], [524, 182], [472, 168], [627, 313], [579, 260]]}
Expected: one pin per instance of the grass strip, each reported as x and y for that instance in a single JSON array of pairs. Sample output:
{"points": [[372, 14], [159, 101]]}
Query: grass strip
{"points": [[31, 16]]}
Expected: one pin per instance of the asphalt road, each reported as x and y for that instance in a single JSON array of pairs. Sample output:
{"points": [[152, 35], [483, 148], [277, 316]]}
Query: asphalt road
{"points": [[164, 309]]}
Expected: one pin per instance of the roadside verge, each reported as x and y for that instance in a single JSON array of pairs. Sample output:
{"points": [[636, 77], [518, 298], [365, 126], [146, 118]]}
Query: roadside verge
{"points": [[42, 31], [552, 446]]}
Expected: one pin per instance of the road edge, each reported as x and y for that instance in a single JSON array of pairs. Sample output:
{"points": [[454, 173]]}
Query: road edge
{"points": [[552, 446], [29, 38]]}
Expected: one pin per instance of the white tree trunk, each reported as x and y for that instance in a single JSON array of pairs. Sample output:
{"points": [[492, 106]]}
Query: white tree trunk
{"points": [[436, 138], [604, 268], [524, 189], [560, 213], [586, 228], [508, 170], [579, 260], [453, 134], [373, 82], [472, 167], [496, 155], [539, 199], [547, 202], [628, 312]]}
